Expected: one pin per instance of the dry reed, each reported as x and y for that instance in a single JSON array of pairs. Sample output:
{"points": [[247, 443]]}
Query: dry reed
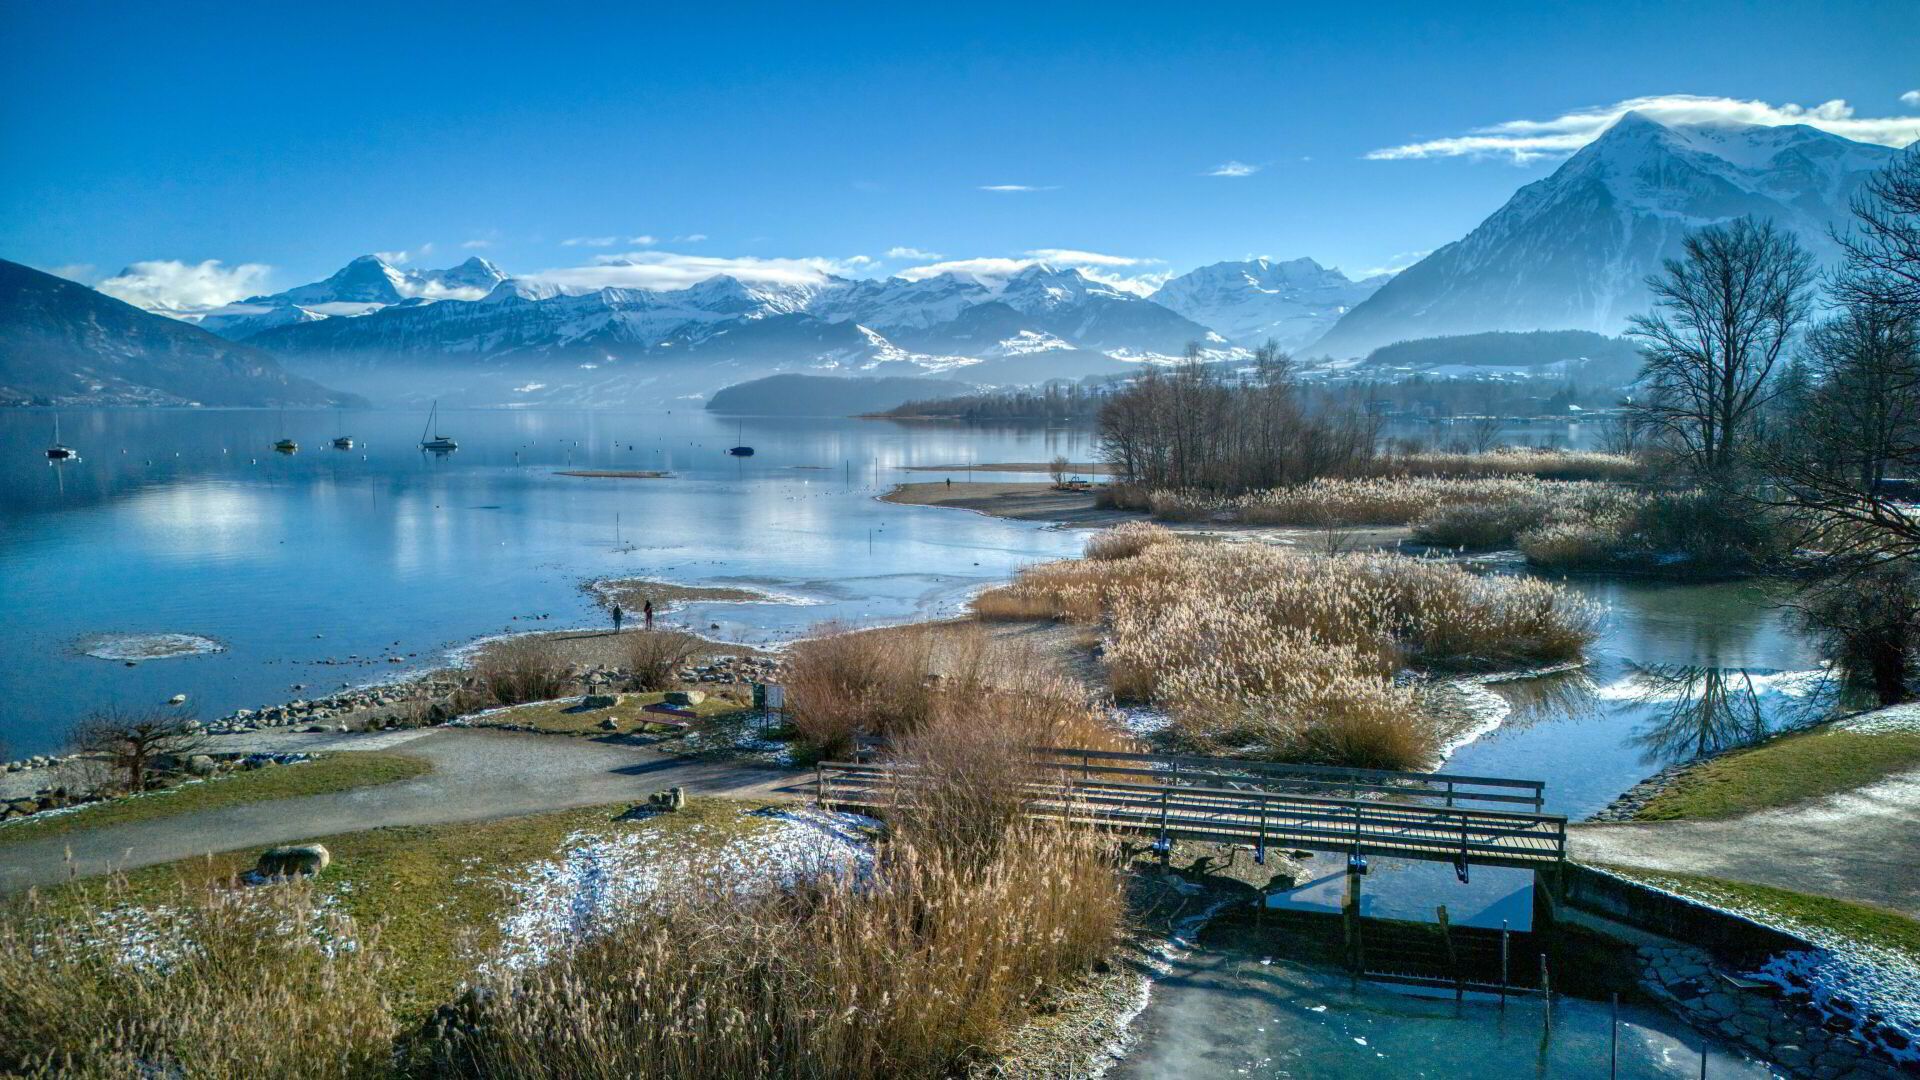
{"points": [[520, 669]]}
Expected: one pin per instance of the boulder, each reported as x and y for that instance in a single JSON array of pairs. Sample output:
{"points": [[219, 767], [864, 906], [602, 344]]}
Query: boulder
{"points": [[599, 701], [293, 859], [685, 698], [201, 765], [609, 724]]}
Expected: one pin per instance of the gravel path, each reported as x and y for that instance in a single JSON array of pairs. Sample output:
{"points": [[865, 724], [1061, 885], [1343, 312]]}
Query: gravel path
{"points": [[1857, 845], [477, 775]]}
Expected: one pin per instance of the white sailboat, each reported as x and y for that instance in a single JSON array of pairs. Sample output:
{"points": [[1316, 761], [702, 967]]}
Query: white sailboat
{"points": [[59, 452], [431, 439]]}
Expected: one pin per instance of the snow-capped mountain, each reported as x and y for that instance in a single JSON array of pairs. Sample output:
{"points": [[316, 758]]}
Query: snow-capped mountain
{"points": [[363, 286], [1039, 323], [1292, 302], [1573, 251]]}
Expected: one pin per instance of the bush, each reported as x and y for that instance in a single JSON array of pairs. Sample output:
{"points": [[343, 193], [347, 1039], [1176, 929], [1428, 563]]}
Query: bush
{"points": [[1478, 525], [1540, 464], [1126, 541], [654, 657], [1869, 624], [229, 982], [842, 683], [520, 669]]}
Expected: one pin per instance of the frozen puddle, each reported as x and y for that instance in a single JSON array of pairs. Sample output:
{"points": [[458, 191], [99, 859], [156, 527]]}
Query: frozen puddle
{"points": [[597, 876], [147, 646]]}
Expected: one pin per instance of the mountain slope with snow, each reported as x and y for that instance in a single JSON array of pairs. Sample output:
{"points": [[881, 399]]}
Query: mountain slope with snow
{"points": [[1292, 302], [363, 286], [1572, 251]]}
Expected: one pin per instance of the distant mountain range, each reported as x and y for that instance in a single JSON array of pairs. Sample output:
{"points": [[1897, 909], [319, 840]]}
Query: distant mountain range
{"points": [[1292, 303], [62, 343], [1569, 252], [1573, 251]]}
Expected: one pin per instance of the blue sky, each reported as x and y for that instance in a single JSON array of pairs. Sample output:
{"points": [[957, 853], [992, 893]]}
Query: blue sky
{"points": [[284, 139]]}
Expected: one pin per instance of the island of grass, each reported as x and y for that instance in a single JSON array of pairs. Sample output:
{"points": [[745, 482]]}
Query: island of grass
{"points": [[634, 593], [340, 771], [616, 474], [569, 716], [1790, 769]]}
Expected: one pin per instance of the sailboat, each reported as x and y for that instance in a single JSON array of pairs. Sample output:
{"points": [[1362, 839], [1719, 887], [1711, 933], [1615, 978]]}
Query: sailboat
{"points": [[342, 441], [285, 445], [58, 452], [437, 442], [740, 451]]}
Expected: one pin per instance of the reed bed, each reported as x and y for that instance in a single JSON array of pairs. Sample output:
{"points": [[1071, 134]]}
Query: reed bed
{"points": [[1128, 540], [1345, 502], [518, 670], [1261, 651], [1518, 461], [221, 983]]}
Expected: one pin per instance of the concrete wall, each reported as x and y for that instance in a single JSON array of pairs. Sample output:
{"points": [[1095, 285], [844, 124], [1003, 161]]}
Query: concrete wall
{"points": [[1630, 902]]}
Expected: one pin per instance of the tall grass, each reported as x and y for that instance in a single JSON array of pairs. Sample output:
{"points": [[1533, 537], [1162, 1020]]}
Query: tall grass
{"points": [[214, 983], [1394, 500], [520, 669], [654, 657], [1261, 651], [1126, 541], [1520, 461]]}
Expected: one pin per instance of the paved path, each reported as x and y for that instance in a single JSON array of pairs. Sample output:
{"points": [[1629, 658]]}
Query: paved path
{"points": [[477, 775], [1858, 845]]}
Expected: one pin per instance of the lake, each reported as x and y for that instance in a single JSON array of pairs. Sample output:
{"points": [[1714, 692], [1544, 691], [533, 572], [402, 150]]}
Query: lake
{"points": [[187, 522]]}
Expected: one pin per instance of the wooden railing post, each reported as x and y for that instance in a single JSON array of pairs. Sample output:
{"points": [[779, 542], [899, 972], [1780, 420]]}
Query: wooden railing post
{"points": [[819, 786]]}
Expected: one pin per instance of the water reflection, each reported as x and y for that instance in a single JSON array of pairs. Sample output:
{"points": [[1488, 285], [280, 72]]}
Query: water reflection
{"points": [[1694, 711]]}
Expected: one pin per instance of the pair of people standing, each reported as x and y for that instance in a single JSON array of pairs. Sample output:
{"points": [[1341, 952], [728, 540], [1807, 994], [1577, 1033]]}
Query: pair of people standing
{"points": [[619, 615]]}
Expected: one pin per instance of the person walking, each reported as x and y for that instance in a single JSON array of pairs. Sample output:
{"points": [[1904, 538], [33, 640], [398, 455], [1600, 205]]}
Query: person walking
{"points": [[618, 615], [649, 613]]}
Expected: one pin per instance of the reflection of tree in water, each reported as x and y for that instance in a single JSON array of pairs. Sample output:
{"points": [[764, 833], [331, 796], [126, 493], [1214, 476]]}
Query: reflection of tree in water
{"points": [[1563, 696], [1696, 710]]}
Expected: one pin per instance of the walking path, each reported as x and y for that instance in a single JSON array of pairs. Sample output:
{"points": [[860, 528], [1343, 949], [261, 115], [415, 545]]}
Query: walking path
{"points": [[1856, 845], [476, 775]]}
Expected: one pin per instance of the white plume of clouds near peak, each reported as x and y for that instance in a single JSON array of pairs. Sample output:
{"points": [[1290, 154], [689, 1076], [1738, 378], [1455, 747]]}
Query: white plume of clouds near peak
{"points": [[1522, 141], [664, 270], [1911, 97], [175, 287], [609, 241], [1019, 187], [79, 272], [1395, 264], [394, 258], [1233, 169], [912, 253]]}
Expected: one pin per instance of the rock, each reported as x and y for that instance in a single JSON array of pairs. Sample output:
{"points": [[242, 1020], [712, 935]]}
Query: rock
{"points": [[609, 724], [599, 701], [293, 859], [685, 698], [201, 765]]}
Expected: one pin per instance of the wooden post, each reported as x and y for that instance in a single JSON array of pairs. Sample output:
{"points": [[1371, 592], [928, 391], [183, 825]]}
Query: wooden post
{"points": [[1453, 958], [1613, 1052], [1546, 997], [1504, 978], [1350, 916], [819, 786]]}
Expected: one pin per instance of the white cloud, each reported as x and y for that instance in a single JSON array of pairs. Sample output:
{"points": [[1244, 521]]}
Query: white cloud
{"points": [[590, 241], [1019, 187], [672, 270], [1233, 168], [1522, 141], [79, 272], [911, 253], [1073, 257], [395, 258], [1911, 97], [690, 238], [476, 244], [173, 287]]}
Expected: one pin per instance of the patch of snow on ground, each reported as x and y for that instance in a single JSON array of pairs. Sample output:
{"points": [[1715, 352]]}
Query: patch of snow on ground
{"points": [[597, 877], [1141, 720], [1883, 721]]}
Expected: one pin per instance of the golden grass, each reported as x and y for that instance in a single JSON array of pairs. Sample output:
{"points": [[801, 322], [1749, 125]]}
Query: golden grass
{"points": [[1375, 500], [1126, 541], [1516, 461], [1263, 651], [525, 668]]}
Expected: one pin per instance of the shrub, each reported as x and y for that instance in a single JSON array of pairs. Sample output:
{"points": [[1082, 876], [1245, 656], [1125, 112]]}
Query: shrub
{"points": [[1126, 541], [227, 982], [842, 683], [1119, 495], [520, 669], [654, 657], [1540, 464], [1478, 525], [1869, 624]]}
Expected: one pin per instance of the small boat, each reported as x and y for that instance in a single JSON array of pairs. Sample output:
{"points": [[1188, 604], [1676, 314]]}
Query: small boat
{"points": [[58, 451], [287, 446], [740, 451], [437, 443], [343, 442]]}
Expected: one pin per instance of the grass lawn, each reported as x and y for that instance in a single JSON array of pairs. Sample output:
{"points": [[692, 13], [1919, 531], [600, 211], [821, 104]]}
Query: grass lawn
{"points": [[1786, 770], [334, 772], [566, 716], [1793, 911], [435, 893]]}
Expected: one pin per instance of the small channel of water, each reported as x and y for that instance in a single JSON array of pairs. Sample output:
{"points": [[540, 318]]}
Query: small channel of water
{"points": [[1236, 1009]]}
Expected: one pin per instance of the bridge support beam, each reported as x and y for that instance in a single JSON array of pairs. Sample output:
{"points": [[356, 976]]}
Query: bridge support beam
{"points": [[1350, 921]]}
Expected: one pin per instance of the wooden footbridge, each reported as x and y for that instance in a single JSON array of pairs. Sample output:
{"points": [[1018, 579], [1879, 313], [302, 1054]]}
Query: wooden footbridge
{"points": [[1442, 817]]}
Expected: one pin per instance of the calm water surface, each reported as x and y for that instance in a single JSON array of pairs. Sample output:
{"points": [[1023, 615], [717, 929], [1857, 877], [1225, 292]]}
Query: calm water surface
{"points": [[186, 521]]}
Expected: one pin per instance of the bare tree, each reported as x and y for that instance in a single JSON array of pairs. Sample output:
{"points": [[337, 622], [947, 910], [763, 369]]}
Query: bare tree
{"points": [[1057, 469], [1883, 249], [132, 742], [1723, 316], [1483, 433], [1621, 435]]}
